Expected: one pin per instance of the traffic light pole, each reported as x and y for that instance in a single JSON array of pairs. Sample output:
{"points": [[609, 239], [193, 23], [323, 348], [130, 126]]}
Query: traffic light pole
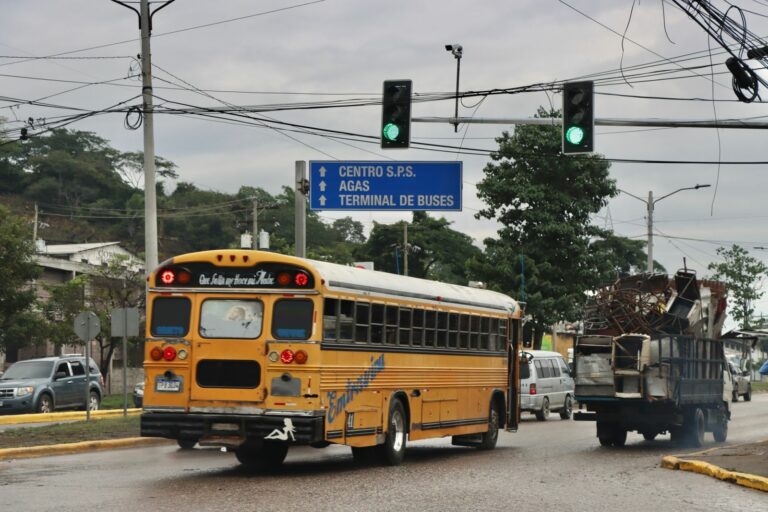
{"points": [[659, 123]]}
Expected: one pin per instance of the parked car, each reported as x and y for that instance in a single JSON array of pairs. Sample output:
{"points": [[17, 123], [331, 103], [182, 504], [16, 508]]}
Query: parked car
{"points": [[546, 384], [741, 384], [138, 395], [49, 384]]}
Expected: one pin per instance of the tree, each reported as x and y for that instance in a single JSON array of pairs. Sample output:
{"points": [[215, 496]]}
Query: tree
{"points": [[117, 285], [435, 251], [546, 252], [17, 296], [740, 272]]}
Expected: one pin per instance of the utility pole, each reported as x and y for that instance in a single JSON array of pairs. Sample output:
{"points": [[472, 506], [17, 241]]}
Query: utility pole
{"points": [[34, 228], [405, 248], [650, 205], [150, 194], [300, 205], [255, 241]]}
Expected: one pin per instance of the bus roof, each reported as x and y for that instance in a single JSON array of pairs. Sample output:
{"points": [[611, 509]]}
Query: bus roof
{"points": [[345, 278]]}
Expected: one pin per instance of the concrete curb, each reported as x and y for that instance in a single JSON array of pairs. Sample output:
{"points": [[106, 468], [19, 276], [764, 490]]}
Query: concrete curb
{"points": [[85, 446], [63, 416], [704, 468]]}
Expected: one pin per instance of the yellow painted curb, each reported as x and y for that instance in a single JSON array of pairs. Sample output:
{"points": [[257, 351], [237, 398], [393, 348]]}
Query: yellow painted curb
{"points": [[63, 416], [70, 448], [705, 468]]}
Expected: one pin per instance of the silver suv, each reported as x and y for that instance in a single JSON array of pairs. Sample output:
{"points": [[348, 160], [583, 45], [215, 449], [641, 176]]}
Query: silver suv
{"points": [[48, 384], [741, 384]]}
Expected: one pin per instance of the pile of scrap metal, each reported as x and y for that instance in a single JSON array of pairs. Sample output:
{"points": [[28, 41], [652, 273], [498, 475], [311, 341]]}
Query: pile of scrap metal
{"points": [[653, 304]]}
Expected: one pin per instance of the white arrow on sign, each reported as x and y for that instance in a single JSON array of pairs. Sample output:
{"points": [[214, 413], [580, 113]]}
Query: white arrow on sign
{"points": [[322, 172], [322, 186], [322, 200]]}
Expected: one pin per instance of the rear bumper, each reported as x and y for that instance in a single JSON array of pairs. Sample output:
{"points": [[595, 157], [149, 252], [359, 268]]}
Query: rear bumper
{"points": [[230, 427]]}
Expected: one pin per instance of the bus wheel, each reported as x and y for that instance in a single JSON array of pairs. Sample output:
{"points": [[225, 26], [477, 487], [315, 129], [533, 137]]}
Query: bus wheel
{"points": [[266, 457], [488, 439], [392, 451]]}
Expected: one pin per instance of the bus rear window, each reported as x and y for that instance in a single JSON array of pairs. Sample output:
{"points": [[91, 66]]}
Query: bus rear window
{"points": [[170, 316], [231, 318], [292, 319]]}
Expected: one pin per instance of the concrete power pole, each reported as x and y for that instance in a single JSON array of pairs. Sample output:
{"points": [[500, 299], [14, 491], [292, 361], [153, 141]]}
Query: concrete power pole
{"points": [[300, 204], [650, 232], [255, 241], [150, 194], [150, 199]]}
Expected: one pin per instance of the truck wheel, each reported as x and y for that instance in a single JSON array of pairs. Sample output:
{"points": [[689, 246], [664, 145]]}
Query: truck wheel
{"points": [[748, 394], [695, 426], [649, 436], [609, 434], [720, 432], [543, 413], [735, 397]]}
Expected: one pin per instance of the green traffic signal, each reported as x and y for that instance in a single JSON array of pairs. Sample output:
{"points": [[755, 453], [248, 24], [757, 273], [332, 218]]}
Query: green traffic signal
{"points": [[391, 131], [574, 135]]}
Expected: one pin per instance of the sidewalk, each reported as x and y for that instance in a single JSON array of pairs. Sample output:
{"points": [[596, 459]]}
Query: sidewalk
{"points": [[742, 464]]}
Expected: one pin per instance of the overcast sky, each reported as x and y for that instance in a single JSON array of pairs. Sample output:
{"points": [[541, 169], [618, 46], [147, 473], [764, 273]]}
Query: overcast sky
{"points": [[282, 51]]}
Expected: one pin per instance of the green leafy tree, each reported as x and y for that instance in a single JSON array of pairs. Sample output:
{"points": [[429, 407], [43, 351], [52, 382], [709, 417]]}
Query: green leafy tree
{"points": [[17, 296], [741, 274], [545, 253], [116, 285], [65, 301], [435, 251]]}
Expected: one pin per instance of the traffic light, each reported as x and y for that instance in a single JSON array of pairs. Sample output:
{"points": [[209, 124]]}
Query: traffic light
{"points": [[578, 117], [396, 114]]}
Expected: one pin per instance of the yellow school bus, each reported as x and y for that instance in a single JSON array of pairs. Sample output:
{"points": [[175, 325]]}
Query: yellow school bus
{"points": [[257, 352]]}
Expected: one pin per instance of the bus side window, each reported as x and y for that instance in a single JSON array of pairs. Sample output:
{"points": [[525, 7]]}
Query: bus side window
{"points": [[442, 329], [503, 334], [346, 320], [405, 327], [392, 324], [493, 334], [377, 323], [330, 319], [418, 327], [453, 330], [362, 321], [485, 334], [463, 331], [474, 328], [430, 322]]}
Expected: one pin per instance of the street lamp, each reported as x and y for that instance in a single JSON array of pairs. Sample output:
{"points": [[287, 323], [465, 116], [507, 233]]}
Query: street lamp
{"points": [[649, 203]]}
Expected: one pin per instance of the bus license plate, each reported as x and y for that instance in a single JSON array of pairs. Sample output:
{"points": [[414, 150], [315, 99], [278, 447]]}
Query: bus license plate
{"points": [[168, 386]]}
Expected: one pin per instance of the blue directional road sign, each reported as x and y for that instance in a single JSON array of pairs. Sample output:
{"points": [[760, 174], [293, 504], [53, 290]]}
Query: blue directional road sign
{"points": [[370, 185]]}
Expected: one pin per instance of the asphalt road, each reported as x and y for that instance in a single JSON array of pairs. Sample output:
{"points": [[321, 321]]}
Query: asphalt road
{"points": [[554, 465]]}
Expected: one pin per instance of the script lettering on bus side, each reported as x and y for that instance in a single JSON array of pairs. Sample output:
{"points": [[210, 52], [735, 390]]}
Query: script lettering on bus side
{"points": [[260, 278], [337, 404]]}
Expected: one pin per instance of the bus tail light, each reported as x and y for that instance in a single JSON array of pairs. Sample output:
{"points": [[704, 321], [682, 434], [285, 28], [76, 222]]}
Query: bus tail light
{"points": [[301, 357], [287, 356], [532, 389], [169, 353], [167, 276], [156, 353]]}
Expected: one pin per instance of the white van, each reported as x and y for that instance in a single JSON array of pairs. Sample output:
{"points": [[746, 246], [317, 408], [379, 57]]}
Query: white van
{"points": [[546, 384]]}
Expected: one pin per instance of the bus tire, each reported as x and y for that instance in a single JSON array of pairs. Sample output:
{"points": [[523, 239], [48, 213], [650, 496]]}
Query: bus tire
{"points": [[489, 438], [186, 443], [392, 452], [268, 456]]}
